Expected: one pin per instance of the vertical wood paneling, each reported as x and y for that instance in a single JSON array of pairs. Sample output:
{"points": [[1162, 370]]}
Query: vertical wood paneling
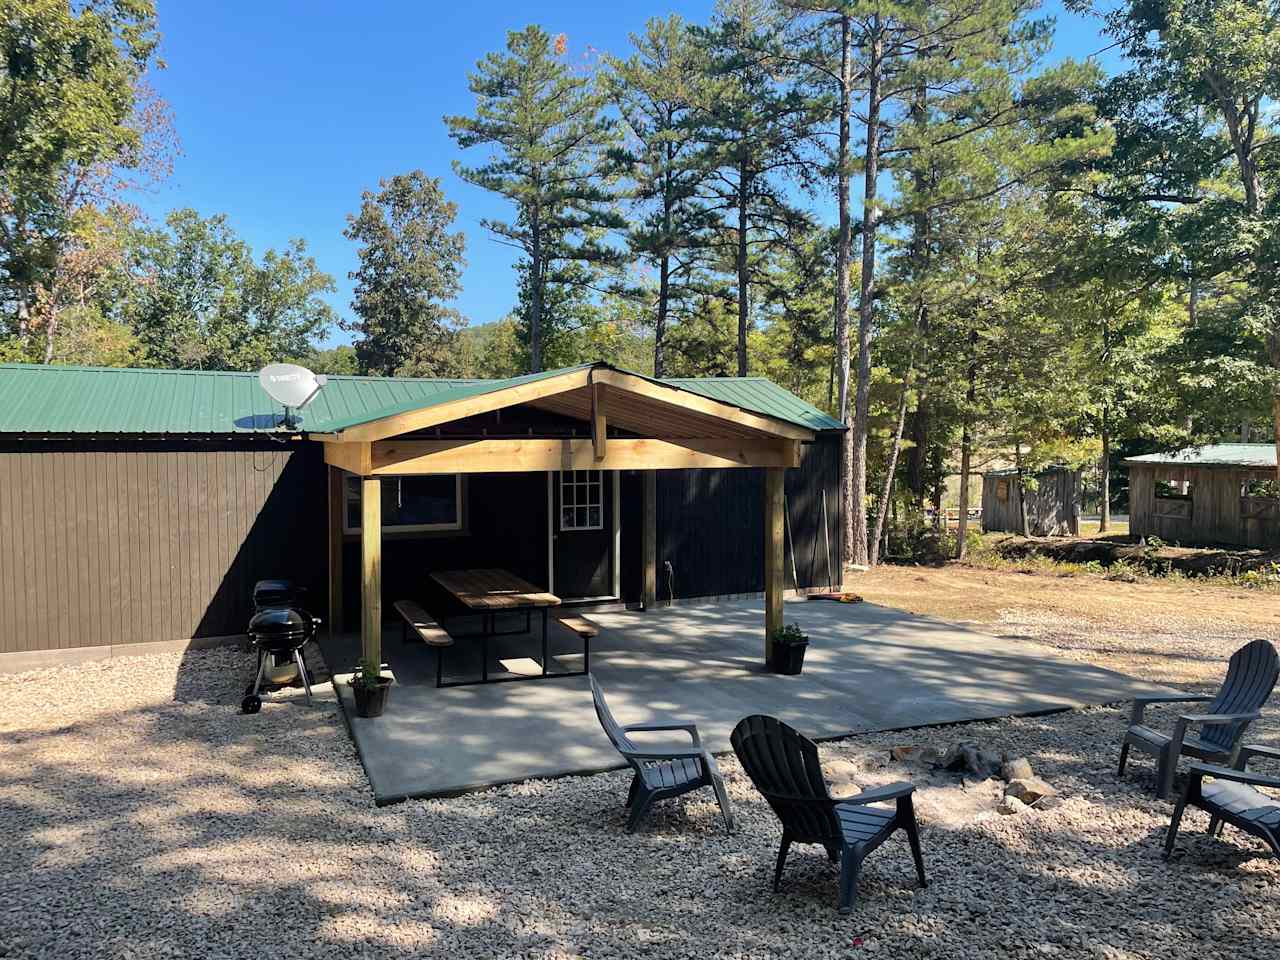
{"points": [[114, 541]]}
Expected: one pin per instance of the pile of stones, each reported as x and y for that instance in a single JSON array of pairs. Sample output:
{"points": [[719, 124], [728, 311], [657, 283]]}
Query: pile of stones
{"points": [[1023, 789]]}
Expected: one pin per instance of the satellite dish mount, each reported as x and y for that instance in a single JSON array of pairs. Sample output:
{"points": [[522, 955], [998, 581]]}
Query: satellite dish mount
{"points": [[291, 386]]}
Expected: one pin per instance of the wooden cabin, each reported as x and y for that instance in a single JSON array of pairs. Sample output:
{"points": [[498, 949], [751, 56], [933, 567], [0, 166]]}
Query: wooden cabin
{"points": [[1220, 494], [1053, 502], [140, 506]]}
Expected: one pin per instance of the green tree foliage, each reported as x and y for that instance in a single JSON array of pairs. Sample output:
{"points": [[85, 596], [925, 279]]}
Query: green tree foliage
{"points": [[753, 127], [69, 124], [548, 141], [206, 303], [1195, 171], [658, 92], [411, 262]]}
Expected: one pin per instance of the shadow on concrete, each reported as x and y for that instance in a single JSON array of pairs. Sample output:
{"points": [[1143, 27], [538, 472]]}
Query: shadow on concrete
{"points": [[867, 668]]}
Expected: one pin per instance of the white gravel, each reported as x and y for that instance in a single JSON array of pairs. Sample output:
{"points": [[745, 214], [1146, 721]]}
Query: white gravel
{"points": [[143, 817]]}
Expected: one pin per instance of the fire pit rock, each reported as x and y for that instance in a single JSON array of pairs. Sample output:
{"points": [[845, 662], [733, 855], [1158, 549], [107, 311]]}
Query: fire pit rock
{"points": [[1029, 790]]}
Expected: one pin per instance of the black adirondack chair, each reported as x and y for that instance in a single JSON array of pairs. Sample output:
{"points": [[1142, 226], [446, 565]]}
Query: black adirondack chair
{"points": [[1232, 797], [661, 774], [1251, 675], [783, 764]]}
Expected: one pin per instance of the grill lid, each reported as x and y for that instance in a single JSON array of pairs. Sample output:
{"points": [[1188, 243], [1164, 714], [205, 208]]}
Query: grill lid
{"points": [[280, 621]]}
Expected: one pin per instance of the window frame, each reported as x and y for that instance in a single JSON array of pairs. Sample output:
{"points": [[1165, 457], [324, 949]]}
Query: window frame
{"points": [[594, 480], [456, 527]]}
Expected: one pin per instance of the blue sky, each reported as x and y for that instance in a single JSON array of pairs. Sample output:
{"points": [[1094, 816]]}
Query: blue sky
{"points": [[287, 110]]}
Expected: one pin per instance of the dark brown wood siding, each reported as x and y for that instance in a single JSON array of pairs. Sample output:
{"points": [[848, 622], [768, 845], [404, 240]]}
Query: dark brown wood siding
{"points": [[117, 541]]}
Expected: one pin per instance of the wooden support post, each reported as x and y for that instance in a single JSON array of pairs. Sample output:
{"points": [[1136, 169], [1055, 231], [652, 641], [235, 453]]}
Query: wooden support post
{"points": [[774, 539], [599, 427], [371, 569], [336, 508], [650, 538]]}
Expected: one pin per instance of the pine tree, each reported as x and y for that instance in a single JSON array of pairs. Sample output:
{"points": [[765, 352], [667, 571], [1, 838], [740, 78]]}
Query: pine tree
{"points": [[548, 141], [657, 91], [753, 128]]}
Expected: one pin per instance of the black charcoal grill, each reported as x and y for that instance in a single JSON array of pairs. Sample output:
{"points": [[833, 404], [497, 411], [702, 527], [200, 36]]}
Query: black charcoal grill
{"points": [[278, 631]]}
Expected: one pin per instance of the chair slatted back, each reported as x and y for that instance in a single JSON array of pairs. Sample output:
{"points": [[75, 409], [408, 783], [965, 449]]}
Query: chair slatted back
{"points": [[1251, 676], [783, 764], [613, 730]]}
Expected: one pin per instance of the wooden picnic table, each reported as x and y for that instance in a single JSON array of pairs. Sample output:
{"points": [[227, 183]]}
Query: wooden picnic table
{"points": [[493, 589], [490, 592]]}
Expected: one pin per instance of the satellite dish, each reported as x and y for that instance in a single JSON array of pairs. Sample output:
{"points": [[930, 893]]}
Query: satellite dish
{"points": [[291, 386]]}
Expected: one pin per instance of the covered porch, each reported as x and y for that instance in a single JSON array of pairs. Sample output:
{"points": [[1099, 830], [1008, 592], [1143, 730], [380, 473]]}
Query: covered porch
{"points": [[869, 668], [593, 422]]}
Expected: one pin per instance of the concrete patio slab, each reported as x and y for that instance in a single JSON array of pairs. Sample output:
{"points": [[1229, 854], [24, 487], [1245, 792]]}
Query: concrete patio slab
{"points": [[867, 668]]}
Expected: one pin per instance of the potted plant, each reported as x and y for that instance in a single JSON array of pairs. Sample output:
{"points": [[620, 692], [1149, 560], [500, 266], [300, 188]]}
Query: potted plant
{"points": [[789, 644], [369, 688]]}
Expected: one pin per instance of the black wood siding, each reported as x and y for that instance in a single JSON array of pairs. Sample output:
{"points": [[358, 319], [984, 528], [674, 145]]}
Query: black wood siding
{"points": [[108, 541], [711, 526], [117, 541]]}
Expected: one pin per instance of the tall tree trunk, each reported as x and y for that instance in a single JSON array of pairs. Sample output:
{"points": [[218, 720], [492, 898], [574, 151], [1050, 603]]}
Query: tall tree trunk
{"points": [[1275, 395], [844, 255], [887, 489], [1024, 518], [538, 270], [1104, 517], [744, 189], [966, 459], [660, 326], [856, 505], [50, 331]]}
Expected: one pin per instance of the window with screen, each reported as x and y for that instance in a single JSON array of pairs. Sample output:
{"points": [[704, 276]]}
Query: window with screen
{"points": [[581, 500], [411, 504]]}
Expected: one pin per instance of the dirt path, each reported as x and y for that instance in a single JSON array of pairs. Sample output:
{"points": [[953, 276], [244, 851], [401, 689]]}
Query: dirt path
{"points": [[1174, 631]]}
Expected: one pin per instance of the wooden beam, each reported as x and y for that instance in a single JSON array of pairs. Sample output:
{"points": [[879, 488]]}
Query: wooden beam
{"points": [[649, 539], [337, 507], [676, 397], [371, 569], [774, 577], [399, 458], [393, 458], [424, 417], [355, 458], [599, 427]]}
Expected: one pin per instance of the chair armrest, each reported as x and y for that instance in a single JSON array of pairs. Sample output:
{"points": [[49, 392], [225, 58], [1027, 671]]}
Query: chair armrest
{"points": [[1219, 718], [689, 728], [1239, 776], [1251, 750], [676, 753], [891, 791], [1140, 704]]}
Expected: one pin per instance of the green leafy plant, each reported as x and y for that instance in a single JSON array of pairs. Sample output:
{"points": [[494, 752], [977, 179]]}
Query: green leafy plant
{"points": [[368, 673], [790, 633]]}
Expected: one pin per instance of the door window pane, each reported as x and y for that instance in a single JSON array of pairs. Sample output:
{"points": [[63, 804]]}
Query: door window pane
{"points": [[581, 500]]}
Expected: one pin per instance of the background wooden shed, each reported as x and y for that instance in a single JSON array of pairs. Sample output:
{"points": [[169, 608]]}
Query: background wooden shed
{"points": [[1053, 506], [1205, 496]]}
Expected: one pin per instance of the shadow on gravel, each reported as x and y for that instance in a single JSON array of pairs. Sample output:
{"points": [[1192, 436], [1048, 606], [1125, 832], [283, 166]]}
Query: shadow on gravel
{"points": [[186, 829]]}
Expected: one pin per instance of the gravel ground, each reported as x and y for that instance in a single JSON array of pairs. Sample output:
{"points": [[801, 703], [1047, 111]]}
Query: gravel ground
{"points": [[145, 817]]}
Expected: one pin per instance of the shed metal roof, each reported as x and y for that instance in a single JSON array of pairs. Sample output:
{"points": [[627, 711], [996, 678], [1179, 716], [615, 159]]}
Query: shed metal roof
{"points": [[1214, 455], [54, 399]]}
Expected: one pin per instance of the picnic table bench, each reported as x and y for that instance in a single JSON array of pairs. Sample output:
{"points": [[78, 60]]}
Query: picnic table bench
{"points": [[490, 592], [430, 632]]}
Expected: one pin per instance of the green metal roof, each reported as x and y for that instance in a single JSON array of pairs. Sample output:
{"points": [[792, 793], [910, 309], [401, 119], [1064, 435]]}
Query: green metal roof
{"points": [[1215, 455], [54, 399]]}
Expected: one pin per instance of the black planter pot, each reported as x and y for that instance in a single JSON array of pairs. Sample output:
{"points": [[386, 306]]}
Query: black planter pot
{"points": [[788, 658], [371, 701]]}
